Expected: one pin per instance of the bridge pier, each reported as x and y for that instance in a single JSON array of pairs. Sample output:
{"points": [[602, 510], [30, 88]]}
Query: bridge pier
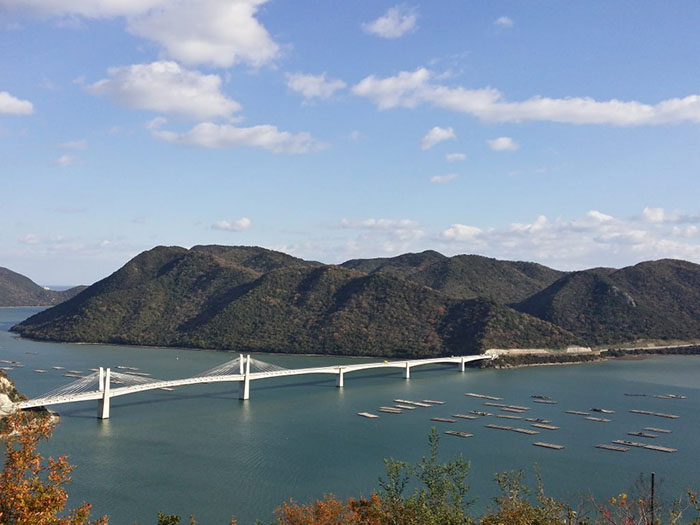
{"points": [[241, 364], [103, 404], [407, 372], [340, 380], [244, 392], [101, 380], [462, 364]]}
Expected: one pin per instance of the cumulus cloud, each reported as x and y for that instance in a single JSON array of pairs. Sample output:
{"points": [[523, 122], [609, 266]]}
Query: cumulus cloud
{"points": [[67, 160], [594, 239], [213, 32], [224, 136], [401, 229], [435, 136], [396, 22], [503, 22], [660, 216], [409, 89], [10, 105], [239, 225], [443, 179], [313, 86], [455, 157], [503, 144], [166, 87]]}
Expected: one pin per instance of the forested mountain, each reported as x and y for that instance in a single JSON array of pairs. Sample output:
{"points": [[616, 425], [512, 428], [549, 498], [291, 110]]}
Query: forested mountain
{"points": [[651, 300], [18, 290], [425, 304], [209, 297]]}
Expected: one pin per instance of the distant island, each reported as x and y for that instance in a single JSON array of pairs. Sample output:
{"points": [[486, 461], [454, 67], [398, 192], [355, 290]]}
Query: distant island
{"points": [[18, 290], [414, 305]]}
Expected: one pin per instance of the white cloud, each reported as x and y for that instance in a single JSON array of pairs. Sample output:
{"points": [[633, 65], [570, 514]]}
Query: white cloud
{"points": [[443, 179], [214, 32], [504, 22], [396, 22], [411, 88], [67, 160], [219, 136], [313, 86], [455, 157], [167, 88], [401, 229], [435, 136], [240, 225], [461, 232], [77, 145], [503, 144], [653, 214], [10, 105]]}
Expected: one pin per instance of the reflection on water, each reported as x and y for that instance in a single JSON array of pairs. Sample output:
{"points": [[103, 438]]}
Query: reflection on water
{"points": [[199, 450]]}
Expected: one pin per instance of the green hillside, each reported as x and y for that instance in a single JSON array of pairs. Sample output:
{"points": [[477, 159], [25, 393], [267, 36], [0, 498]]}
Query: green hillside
{"points": [[465, 276], [651, 300], [206, 298], [18, 290]]}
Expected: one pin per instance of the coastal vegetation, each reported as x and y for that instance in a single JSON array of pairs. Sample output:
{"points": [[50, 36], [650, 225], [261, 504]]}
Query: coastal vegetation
{"points": [[414, 305], [18, 290]]}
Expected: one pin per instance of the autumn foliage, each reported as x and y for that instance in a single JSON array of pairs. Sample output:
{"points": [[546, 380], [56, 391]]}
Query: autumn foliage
{"points": [[32, 487]]}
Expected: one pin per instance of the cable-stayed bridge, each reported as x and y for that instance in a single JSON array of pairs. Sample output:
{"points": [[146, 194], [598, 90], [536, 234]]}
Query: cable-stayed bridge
{"points": [[106, 384]]}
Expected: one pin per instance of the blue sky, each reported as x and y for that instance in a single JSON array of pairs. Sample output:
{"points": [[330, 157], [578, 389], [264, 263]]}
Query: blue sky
{"points": [[559, 132]]}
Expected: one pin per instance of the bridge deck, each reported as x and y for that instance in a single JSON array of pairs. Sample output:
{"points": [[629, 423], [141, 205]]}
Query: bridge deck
{"points": [[116, 391]]}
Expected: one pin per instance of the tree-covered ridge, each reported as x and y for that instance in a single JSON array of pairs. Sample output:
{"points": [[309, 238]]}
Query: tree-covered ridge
{"points": [[465, 276], [208, 297], [426, 304], [18, 290], [651, 300]]}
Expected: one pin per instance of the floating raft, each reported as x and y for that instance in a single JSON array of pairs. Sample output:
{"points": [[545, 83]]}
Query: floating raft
{"points": [[660, 430], [58, 367], [642, 434], [405, 407], [433, 402], [443, 419], [75, 371], [38, 371], [578, 413], [537, 420], [167, 388], [546, 401], [644, 445], [546, 427], [616, 448], [484, 396], [458, 433], [390, 410], [598, 419], [506, 416], [548, 445], [671, 396], [512, 429], [414, 403], [367, 415], [502, 406], [510, 409], [480, 413], [76, 376], [602, 410], [657, 414], [544, 398], [636, 395], [465, 416]]}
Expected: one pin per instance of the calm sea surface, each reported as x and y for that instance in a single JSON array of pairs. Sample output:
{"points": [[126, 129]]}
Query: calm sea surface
{"points": [[199, 450]]}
